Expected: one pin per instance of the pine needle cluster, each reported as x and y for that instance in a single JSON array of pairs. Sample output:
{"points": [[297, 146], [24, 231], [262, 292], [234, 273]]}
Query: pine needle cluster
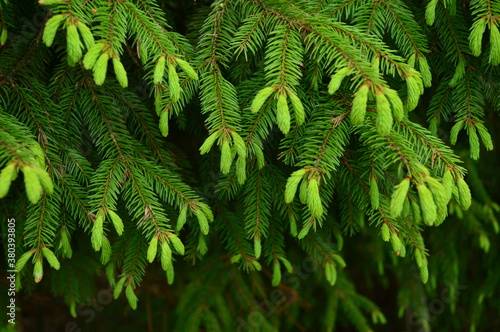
{"points": [[256, 139]]}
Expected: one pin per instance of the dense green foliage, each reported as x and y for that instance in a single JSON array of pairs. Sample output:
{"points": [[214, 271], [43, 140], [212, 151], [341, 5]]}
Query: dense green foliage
{"points": [[252, 165]]}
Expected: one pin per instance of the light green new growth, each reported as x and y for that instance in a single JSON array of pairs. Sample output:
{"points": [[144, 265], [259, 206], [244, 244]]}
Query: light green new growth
{"points": [[100, 68], [282, 113], [428, 207], [398, 197], [358, 109], [51, 26], [74, 44], [476, 36], [337, 79], [159, 70], [6, 179], [430, 12], [152, 249], [187, 69], [261, 98], [120, 73], [91, 56], [384, 114], [313, 198], [88, 38], [292, 184], [32, 184], [298, 107]]}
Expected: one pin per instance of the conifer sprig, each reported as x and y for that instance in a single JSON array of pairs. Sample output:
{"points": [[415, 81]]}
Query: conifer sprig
{"points": [[250, 147]]}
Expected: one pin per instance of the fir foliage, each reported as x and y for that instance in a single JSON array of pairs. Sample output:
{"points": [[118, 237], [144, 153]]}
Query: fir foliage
{"points": [[253, 154]]}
